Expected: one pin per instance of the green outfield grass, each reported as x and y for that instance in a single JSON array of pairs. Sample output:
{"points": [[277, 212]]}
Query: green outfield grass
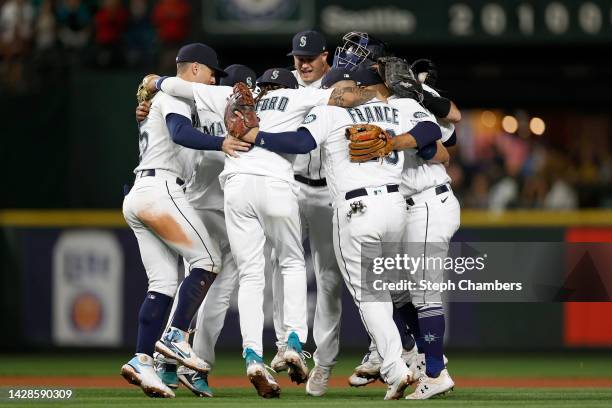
{"points": [[476, 398], [465, 365], [461, 364]]}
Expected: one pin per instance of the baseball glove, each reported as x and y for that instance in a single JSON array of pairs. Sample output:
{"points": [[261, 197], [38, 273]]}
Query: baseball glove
{"points": [[399, 78], [240, 116], [143, 93], [425, 71], [368, 142]]}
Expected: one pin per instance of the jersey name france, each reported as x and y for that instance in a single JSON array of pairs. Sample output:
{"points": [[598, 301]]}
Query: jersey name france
{"points": [[203, 190], [328, 124], [418, 174], [157, 149], [309, 165], [280, 110]]}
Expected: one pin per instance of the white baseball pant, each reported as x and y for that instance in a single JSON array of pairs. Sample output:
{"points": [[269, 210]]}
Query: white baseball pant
{"points": [[383, 220], [433, 219], [260, 209], [166, 227], [316, 215]]}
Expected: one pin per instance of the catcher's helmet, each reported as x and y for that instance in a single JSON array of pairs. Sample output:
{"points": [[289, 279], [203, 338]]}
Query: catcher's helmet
{"points": [[357, 48]]}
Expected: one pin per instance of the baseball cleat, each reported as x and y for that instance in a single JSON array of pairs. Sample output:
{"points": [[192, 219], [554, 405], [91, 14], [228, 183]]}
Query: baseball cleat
{"points": [[166, 370], [318, 380], [428, 387], [139, 371], [370, 366], [295, 358], [262, 380], [356, 381], [418, 366], [396, 389], [174, 344], [278, 363], [195, 381]]}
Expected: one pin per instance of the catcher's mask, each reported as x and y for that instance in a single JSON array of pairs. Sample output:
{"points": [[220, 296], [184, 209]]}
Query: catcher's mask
{"points": [[357, 48]]}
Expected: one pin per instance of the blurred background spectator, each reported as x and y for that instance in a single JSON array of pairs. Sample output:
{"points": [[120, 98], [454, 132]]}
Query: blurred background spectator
{"points": [[172, 20], [16, 25], [110, 23], [74, 27]]}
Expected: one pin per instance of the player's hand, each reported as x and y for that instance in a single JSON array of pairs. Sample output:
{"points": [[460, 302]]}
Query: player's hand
{"points": [[251, 135], [231, 146], [142, 110], [149, 81]]}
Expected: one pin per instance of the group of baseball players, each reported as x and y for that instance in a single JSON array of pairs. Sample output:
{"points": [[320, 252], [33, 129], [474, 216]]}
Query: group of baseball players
{"points": [[230, 208]]}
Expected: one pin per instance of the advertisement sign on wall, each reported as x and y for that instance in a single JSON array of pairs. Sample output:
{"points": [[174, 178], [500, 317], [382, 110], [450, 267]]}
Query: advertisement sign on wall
{"points": [[87, 289]]}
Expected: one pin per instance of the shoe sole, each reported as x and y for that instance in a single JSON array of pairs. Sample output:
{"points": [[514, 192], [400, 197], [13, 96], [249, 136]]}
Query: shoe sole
{"points": [[264, 388], [279, 367], [166, 352], [360, 384], [295, 368], [434, 396], [191, 388], [131, 376]]}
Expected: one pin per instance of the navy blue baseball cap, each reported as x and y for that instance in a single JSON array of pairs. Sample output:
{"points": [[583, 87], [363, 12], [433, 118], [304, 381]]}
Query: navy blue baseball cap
{"points": [[335, 75], [202, 54], [367, 75], [308, 43], [239, 73], [278, 76]]}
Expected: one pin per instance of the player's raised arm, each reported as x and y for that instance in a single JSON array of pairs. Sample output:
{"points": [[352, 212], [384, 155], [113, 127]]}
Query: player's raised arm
{"points": [[352, 96]]}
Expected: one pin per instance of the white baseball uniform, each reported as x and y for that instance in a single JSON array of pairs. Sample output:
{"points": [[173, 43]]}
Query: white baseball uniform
{"points": [[316, 214], [382, 216], [206, 196], [261, 205], [165, 224], [434, 211]]}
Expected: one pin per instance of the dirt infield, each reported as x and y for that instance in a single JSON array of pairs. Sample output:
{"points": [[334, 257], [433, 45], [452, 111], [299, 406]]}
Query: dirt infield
{"points": [[338, 382]]}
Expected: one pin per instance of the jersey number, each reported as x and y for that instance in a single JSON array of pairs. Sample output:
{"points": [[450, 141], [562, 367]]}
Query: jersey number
{"points": [[143, 144], [393, 158]]}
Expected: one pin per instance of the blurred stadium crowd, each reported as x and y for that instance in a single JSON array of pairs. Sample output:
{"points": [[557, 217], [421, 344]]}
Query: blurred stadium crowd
{"points": [[560, 161], [104, 33]]}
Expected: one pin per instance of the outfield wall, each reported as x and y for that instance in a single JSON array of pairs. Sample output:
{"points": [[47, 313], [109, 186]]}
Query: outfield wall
{"points": [[74, 279]]}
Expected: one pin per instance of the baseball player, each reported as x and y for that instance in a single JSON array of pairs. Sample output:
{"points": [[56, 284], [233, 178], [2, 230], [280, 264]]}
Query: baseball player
{"points": [[366, 200], [166, 226], [270, 212], [434, 217], [310, 61], [433, 220], [206, 197]]}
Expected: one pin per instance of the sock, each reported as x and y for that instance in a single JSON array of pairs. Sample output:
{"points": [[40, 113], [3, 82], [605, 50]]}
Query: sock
{"points": [[407, 340], [410, 316], [431, 324], [151, 321], [190, 297]]}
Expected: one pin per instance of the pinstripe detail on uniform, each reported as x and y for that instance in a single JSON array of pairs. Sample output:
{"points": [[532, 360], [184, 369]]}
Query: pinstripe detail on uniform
{"points": [[191, 225], [350, 284], [425, 246]]}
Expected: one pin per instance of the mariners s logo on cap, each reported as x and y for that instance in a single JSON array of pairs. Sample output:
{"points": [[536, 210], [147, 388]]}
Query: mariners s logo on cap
{"points": [[303, 41], [274, 74], [249, 82]]}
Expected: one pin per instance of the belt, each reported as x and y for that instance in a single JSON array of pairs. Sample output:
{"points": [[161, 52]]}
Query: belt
{"points": [[311, 182], [151, 173], [438, 190], [359, 192]]}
